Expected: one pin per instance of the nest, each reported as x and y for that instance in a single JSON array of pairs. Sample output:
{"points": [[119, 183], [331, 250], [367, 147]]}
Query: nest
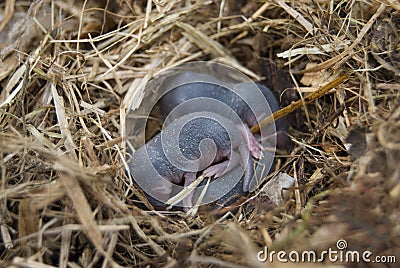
{"points": [[71, 71]]}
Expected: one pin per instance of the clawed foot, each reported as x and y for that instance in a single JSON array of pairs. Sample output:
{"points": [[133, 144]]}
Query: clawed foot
{"points": [[216, 170], [255, 148]]}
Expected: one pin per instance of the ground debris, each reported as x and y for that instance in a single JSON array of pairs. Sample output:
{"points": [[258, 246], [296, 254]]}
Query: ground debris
{"points": [[71, 70]]}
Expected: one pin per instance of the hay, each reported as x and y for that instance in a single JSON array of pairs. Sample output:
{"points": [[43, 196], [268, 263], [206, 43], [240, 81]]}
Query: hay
{"points": [[71, 70]]}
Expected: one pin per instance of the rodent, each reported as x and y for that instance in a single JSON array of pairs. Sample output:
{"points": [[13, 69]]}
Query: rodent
{"points": [[212, 89], [200, 129], [160, 169]]}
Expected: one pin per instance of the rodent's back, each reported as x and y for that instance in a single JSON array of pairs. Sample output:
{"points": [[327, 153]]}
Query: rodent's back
{"points": [[199, 129], [195, 90]]}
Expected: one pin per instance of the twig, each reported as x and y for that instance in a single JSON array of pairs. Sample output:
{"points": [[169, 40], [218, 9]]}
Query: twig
{"points": [[297, 104]]}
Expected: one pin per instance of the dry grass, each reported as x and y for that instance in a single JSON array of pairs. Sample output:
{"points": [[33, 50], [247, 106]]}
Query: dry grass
{"points": [[71, 70]]}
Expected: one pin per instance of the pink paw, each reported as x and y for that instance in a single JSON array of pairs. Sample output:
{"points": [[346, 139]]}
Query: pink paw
{"points": [[216, 170], [255, 148]]}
